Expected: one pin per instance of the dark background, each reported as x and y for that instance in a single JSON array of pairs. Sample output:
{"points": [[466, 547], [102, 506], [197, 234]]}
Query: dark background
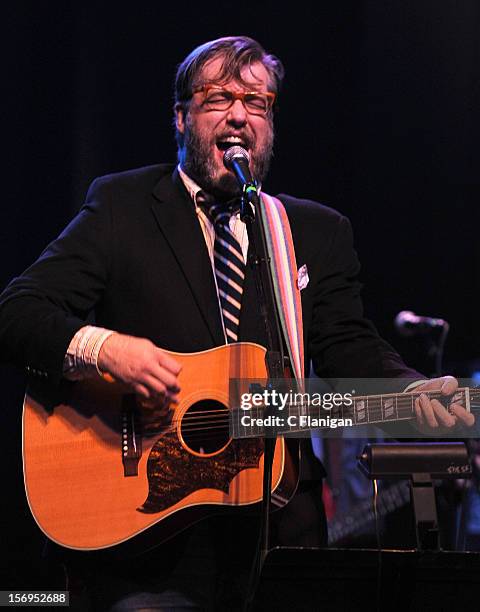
{"points": [[378, 118]]}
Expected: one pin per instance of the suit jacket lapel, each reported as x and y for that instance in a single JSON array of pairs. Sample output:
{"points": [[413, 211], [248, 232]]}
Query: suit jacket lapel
{"points": [[175, 215]]}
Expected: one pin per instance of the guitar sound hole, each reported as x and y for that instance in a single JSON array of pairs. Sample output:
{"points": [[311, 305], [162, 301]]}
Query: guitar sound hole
{"points": [[205, 427]]}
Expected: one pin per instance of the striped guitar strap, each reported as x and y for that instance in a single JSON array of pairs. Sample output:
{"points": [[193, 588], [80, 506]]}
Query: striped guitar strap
{"points": [[285, 280]]}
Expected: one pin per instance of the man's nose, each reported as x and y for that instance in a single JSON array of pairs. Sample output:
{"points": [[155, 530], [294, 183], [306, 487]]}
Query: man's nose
{"points": [[237, 113]]}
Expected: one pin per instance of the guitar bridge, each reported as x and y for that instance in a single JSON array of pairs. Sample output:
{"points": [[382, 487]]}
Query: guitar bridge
{"points": [[131, 436]]}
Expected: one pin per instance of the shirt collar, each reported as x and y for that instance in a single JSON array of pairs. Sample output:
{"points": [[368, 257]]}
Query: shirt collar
{"points": [[192, 187]]}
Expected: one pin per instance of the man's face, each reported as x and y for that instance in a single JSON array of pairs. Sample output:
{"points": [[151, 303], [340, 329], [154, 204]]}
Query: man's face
{"points": [[208, 133]]}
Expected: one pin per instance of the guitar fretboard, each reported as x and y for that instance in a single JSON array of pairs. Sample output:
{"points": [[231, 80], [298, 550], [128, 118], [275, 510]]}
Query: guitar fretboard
{"points": [[360, 410]]}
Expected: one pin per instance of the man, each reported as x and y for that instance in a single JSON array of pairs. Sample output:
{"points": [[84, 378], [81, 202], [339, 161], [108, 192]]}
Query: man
{"points": [[141, 253]]}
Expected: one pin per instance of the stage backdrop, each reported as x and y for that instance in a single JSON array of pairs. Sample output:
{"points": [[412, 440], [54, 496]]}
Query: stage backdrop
{"points": [[378, 118]]}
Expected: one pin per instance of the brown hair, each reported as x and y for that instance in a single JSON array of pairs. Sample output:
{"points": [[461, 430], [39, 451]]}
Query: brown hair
{"points": [[237, 52]]}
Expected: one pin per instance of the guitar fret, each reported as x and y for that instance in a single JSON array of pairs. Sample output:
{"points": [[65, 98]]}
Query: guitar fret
{"points": [[363, 410], [406, 409], [389, 406], [375, 410], [360, 411]]}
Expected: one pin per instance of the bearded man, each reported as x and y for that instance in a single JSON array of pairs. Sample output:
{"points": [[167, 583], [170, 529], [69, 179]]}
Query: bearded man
{"points": [[141, 255]]}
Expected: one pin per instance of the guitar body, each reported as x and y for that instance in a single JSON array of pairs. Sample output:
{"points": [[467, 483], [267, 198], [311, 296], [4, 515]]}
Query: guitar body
{"points": [[100, 470]]}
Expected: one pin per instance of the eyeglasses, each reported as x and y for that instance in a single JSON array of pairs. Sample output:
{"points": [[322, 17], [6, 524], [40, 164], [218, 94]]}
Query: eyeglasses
{"points": [[216, 98]]}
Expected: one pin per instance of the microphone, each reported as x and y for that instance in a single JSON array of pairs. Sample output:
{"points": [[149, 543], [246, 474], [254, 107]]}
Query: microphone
{"points": [[407, 323], [237, 159]]}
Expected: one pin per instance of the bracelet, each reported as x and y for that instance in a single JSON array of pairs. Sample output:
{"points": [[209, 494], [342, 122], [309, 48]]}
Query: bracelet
{"points": [[96, 351]]}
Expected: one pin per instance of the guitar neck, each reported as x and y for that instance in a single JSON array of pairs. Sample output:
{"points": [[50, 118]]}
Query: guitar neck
{"points": [[362, 516], [385, 408], [377, 409]]}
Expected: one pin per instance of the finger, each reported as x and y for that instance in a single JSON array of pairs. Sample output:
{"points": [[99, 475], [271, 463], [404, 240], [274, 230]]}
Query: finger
{"points": [[164, 376], [141, 390], [168, 379], [418, 412], [155, 386], [427, 411], [169, 363], [146, 403], [442, 415], [160, 392], [449, 386], [464, 416], [156, 405], [445, 384], [173, 398], [428, 385]]}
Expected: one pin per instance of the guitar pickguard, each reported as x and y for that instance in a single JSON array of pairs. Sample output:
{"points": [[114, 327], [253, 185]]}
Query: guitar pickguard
{"points": [[173, 472]]}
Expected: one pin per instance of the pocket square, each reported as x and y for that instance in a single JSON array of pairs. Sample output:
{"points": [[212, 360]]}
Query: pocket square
{"points": [[302, 277]]}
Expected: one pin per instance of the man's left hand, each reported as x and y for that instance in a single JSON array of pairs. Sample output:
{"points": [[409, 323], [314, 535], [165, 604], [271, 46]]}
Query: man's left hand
{"points": [[431, 414]]}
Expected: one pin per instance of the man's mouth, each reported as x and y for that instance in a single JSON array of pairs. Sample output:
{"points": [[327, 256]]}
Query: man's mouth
{"points": [[226, 142]]}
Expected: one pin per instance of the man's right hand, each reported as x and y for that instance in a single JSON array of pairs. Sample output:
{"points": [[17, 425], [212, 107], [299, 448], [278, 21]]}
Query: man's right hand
{"points": [[141, 365]]}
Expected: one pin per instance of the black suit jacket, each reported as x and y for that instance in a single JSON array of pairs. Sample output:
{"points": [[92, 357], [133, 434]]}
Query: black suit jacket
{"points": [[135, 255]]}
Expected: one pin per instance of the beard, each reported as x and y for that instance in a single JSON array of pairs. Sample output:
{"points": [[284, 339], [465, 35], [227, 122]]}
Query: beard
{"points": [[197, 162]]}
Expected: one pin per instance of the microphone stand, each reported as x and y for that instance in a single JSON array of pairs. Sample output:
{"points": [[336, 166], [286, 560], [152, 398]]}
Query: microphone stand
{"points": [[275, 359]]}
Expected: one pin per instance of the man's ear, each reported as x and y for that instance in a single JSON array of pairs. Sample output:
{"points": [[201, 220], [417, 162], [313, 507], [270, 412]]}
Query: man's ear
{"points": [[179, 117]]}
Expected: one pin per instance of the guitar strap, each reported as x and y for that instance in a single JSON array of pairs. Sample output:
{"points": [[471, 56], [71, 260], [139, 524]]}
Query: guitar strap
{"points": [[285, 278]]}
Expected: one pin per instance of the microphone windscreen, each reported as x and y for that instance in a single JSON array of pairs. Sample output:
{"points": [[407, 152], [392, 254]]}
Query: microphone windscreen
{"points": [[232, 152]]}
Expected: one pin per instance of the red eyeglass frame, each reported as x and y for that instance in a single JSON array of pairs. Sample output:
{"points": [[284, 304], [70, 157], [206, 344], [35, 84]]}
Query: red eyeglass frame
{"points": [[238, 95]]}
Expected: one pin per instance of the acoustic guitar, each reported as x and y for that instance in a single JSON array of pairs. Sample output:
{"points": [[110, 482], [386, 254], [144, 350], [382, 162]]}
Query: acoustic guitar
{"points": [[100, 470]]}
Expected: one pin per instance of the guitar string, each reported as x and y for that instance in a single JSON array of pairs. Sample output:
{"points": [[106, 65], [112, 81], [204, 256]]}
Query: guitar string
{"points": [[403, 404], [225, 425], [372, 401], [223, 422], [406, 410], [216, 414], [192, 423], [202, 432], [198, 427]]}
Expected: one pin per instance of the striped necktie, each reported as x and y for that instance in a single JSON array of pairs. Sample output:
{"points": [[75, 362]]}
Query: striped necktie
{"points": [[229, 265]]}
